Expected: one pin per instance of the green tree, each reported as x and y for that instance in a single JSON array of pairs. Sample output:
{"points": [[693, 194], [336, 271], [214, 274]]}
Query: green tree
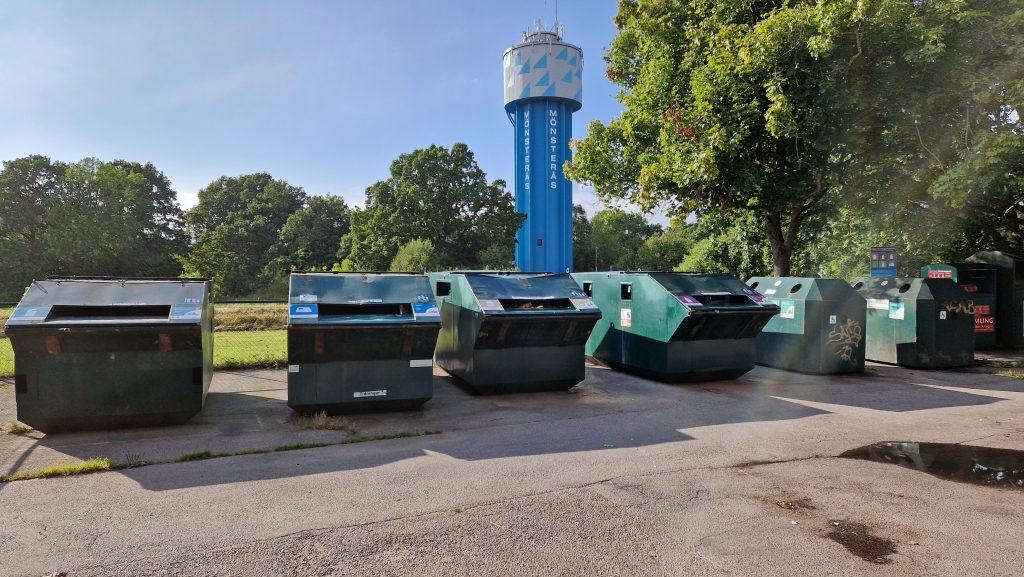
{"points": [[434, 194], [582, 241], [618, 236], [781, 109], [235, 226], [28, 189], [417, 255], [309, 238], [667, 250]]}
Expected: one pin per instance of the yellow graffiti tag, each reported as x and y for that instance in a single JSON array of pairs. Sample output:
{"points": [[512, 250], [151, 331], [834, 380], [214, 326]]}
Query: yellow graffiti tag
{"points": [[965, 307], [848, 337]]}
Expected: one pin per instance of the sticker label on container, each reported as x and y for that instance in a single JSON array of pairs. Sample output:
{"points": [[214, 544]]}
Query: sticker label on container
{"points": [[787, 309], [303, 311], [761, 300], [365, 301], [769, 292], [31, 314], [193, 301], [293, 368], [984, 323], [307, 298], [690, 301], [897, 311], [942, 315], [425, 310], [360, 394], [491, 305], [185, 313], [626, 318], [878, 304], [940, 274], [832, 319], [421, 362], [583, 304]]}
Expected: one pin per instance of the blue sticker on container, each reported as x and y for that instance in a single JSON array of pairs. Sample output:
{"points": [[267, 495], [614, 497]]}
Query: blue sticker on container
{"points": [[30, 314], [425, 310], [303, 311], [182, 313]]}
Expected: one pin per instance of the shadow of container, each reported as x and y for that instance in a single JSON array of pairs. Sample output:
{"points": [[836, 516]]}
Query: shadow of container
{"points": [[675, 327], [819, 329], [917, 323], [360, 342], [105, 353], [512, 332]]}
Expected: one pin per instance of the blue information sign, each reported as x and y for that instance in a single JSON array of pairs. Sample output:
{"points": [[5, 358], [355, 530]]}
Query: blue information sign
{"points": [[883, 261]]}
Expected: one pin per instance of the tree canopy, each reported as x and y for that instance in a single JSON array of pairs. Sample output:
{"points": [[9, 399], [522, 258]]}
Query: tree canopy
{"points": [[436, 194]]}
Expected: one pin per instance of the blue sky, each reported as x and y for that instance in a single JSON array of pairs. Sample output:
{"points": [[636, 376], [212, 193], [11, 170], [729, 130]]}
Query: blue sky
{"points": [[322, 94]]}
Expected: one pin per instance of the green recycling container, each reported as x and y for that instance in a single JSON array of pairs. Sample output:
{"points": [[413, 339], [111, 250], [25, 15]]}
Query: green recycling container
{"points": [[819, 328], [675, 327], [981, 282], [1009, 295], [104, 353], [360, 342], [505, 332], [918, 323]]}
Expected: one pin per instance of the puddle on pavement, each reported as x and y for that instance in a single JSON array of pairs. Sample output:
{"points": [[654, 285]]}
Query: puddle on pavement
{"points": [[858, 539], [961, 463]]}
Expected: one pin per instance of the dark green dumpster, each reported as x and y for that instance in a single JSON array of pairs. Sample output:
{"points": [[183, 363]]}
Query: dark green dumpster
{"points": [[512, 332], [1009, 295], [675, 327], [360, 341], [980, 281], [819, 328], [101, 353], [919, 323]]}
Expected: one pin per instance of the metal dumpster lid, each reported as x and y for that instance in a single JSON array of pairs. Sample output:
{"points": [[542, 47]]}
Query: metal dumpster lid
{"points": [[523, 285], [359, 288]]}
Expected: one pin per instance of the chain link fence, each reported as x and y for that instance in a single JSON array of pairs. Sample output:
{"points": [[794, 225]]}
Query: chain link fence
{"points": [[247, 334]]}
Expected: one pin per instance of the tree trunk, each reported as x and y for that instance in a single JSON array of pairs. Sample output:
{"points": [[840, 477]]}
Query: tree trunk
{"points": [[782, 252]]}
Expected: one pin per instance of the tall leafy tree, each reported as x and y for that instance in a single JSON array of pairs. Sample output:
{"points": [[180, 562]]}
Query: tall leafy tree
{"points": [[582, 241], [618, 237], [436, 194], [309, 238], [236, 224], [779, 109]]}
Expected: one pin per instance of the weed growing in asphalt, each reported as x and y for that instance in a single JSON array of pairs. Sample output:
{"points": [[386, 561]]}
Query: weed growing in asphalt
{"points": [[1012, 374], [131, 461], [16, 428], [90, 466], [323, 422]]}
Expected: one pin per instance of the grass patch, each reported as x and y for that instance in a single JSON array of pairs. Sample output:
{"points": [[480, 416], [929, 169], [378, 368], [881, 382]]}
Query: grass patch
{"points": [[254, 349], [1012, 374], [323, 422], [6, 358], [90, 466], [16, 428], [250, 317], [133, 461]]}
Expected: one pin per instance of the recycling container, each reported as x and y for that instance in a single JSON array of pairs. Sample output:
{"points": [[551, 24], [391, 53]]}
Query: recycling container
{"points": [[512, 332], [919, 323], [981, 282], [103, 353], [819, 328], [675, 327], [1009, 295], [360, 342]]}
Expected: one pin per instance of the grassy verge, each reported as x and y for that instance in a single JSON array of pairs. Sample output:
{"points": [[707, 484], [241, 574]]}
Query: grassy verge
{"points": [[5, 313], [1018, 374], [134, 462], [250, 317], [252, 349], [6, 358]]}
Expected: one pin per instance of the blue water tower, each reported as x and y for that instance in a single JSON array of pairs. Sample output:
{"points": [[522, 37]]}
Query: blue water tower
{"points": [[543, 87]]}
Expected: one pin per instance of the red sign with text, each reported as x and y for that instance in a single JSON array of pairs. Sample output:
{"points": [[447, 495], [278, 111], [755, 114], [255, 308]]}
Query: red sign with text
{"points": [[984, 323]]}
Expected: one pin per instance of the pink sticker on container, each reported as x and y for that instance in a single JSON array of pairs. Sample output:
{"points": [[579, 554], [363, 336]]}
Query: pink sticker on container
{"points": [[689, 300], [759, 299]]}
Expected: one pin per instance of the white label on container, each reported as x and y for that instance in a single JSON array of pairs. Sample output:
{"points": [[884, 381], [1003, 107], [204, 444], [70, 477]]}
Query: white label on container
{"points": [[897, 311], [626, 318], [769, 292], [942, 315], [307, 298], [832, 319], [360, 394], [583, 304], [491, 305], [365, 301], [878, 304], [421, 362], [293, 368]]}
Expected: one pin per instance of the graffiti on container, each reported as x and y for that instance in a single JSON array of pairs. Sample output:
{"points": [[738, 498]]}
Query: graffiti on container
{"points": [[961, 306], [847, 337]]}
